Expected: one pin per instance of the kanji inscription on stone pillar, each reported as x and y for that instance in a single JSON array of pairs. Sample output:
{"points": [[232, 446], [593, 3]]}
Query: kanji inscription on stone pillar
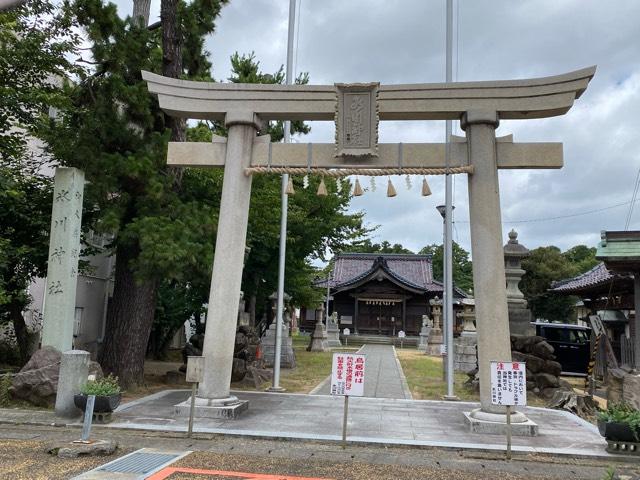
{"points": [[64, 251]]}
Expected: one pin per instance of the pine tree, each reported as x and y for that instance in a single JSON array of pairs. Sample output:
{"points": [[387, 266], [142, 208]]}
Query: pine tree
{"points": [[117, 134]]}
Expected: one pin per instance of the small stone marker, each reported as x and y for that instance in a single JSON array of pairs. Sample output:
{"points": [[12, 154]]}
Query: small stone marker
{"points": [[509, 388], [194, 375], [74, 370], [347, 378]]}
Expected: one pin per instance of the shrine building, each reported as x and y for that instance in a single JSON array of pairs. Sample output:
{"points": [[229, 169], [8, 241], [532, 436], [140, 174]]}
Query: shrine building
{"points": [[381, 294]]}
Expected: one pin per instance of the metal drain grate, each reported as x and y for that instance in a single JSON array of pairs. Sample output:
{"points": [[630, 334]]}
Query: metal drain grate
{"points": [[138, 462]]}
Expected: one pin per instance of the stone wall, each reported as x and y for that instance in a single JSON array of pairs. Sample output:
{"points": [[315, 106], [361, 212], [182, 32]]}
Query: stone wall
{"points": [[543, 372]]}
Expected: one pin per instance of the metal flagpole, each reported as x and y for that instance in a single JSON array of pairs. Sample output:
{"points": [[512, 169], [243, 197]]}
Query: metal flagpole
{"points": [[283, 218], [448, 217]]}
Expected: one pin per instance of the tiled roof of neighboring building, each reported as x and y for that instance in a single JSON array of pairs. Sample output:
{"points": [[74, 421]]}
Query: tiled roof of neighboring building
{"points": [[597, 276]]}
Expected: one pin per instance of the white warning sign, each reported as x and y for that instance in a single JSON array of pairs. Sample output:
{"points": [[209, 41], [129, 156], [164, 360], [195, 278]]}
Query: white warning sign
{"points": [[508, 383], [347, 374]]}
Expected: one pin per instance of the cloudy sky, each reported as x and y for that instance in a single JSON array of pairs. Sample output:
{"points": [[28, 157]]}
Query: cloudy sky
{"points": [[394, 41]]}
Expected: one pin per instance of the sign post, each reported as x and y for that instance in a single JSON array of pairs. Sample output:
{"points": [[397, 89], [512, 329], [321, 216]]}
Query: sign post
{"points": [[347, 379], [508, 388], [346, 332], [195, 373]]}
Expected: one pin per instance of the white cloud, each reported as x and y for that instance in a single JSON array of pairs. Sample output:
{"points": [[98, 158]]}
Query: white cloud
{"points": [[403, 42]]}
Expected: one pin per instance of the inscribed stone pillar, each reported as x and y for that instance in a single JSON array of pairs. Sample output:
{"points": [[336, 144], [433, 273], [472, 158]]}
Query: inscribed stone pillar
{"points": [[492, 319], [226, 276], [74, 370], [64, 251]]}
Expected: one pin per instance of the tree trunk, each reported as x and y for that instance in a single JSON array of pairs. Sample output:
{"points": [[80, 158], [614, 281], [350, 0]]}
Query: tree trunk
{"points": [[129, 321], [172, 59], [20, 329], [141, 9]]}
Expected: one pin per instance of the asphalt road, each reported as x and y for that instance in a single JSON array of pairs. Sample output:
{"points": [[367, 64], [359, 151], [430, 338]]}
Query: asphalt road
{"points": [[23, 456]]}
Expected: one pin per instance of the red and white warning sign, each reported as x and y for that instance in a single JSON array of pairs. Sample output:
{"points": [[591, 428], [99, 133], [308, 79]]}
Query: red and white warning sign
{"points": [[347, 374], [508, 383]]}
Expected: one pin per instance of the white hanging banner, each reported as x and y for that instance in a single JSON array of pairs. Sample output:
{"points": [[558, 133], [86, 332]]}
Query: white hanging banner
{"points": [[508, 383], [347, 374]]}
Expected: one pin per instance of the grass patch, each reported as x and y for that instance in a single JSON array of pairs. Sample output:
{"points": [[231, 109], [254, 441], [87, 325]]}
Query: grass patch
{"points": [[424, 376]]}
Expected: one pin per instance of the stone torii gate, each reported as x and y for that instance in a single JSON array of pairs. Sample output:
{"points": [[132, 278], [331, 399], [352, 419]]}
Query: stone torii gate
{"points": [[477, 105]]}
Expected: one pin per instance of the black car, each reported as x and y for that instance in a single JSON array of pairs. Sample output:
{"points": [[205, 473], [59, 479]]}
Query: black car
{"points": [[571, 344]]}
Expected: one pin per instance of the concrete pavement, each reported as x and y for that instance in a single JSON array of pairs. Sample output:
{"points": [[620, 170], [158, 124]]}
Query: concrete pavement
{"points": [[420, 423], [384, 376]]}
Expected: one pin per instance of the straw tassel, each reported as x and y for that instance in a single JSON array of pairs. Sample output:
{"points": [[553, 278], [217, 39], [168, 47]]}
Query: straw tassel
{"points": [[357, 189], [290, 190], [391, 191], [426, 191], [322, 189]]}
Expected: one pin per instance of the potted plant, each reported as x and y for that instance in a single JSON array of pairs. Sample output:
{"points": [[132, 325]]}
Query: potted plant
{"points": [[107, 392], [620, 422]]}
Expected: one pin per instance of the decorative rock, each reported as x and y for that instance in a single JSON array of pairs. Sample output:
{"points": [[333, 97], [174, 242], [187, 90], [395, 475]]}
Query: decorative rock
{"points": [[543, 350], [523, 343], [552, 367], [631, 390], [37, 381], [173, 377], [74, 450], [544, 380]]}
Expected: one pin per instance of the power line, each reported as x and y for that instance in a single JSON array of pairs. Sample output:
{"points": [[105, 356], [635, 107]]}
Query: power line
{"points": [[634, 195], [560, 217]]}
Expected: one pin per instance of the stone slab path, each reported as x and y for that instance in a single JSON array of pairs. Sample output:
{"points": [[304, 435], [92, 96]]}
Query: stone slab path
{"points": [[383, 375]]}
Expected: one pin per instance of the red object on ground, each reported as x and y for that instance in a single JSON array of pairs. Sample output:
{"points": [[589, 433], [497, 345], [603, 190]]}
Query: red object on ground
{"points": [[167, 472]]}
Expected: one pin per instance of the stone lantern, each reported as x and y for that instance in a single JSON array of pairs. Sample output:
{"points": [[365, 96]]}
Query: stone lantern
{"points": [[519, 314]]}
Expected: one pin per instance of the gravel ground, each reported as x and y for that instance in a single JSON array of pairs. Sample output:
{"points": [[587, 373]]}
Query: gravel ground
{"points": [[28, 460], [23, 456]]}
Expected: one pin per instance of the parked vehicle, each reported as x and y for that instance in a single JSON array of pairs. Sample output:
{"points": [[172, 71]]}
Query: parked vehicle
{"points": [[571, 344]]}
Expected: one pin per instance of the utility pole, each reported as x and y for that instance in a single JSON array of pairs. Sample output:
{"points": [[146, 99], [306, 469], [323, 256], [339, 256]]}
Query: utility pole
{"points": [[448, 218], [275, 387]]}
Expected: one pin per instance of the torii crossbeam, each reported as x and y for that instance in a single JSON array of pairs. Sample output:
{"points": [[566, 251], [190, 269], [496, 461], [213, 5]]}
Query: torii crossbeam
{"points": [[477, 105]]}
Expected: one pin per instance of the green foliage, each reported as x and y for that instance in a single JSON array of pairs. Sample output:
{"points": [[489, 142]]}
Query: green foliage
{"points": [[115, 131], [622, 413], [105, 386], [462, 266], [36, 40], [548, 264], [25, 197], [177, 302], [367, 246]]}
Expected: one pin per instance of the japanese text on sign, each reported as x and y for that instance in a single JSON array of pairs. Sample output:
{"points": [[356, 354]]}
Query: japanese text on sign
{"points": [[347, 374], [508, 383]]}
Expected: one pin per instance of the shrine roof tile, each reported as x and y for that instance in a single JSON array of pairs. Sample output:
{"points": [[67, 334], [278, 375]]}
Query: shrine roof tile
{"points": [[412, 270], [598, 275]]}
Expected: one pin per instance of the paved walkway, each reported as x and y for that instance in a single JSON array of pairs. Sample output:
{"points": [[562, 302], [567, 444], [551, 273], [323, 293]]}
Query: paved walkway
{"points": [[371, 421], [383, 378]]}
